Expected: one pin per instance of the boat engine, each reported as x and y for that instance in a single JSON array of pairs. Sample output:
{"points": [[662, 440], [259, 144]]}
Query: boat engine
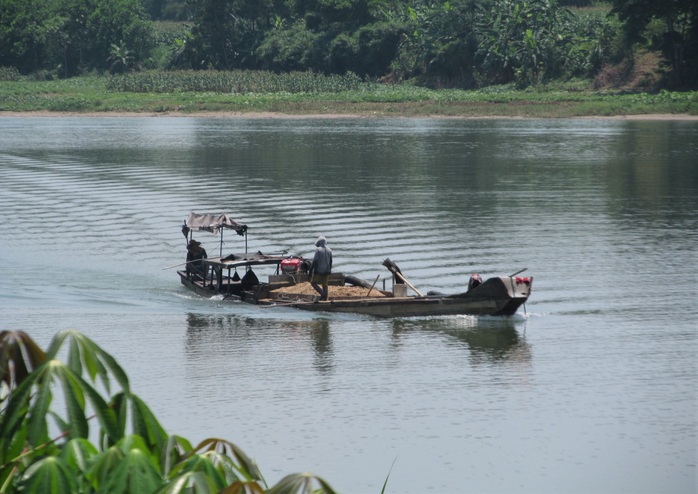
{"points": [[291, 265], [475, 280]]}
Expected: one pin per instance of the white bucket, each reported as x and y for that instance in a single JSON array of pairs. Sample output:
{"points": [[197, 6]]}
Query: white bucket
{"points": [[399, 290]]}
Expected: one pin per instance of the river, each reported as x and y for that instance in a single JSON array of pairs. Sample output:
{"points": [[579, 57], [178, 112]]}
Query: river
{"points": [[591, 387]]}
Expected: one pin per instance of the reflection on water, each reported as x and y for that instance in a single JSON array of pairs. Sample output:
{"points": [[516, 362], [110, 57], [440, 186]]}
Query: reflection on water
{"points": [[596, 380], [490, 340], [322, 341], [207, 334]]}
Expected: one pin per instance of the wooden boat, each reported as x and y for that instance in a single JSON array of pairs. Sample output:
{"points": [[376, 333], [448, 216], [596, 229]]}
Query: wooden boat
{"points": [[288, 285]]}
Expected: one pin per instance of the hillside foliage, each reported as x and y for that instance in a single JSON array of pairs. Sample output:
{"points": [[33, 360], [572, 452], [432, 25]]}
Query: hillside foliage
{"points": [[435, 43]]}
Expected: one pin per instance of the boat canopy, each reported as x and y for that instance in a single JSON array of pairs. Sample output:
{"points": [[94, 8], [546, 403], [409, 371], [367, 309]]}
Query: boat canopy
{"points": [[212, 222]]}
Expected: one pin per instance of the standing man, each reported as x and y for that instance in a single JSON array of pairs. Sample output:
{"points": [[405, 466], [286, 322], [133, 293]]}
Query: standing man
{"points": [[321, 268]]}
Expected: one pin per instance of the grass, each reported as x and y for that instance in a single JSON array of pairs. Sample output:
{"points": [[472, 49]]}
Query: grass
{"points": [[303, 93]]}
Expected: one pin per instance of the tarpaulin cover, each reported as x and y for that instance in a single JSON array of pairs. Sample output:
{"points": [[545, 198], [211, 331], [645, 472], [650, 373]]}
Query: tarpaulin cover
{"points": [[213, 222]]}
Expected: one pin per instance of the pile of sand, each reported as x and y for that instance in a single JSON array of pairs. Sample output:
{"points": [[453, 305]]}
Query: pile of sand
{"points": [[334, 291]]}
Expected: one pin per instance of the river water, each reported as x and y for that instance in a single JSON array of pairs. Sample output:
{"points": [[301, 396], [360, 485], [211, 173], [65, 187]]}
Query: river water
{"points": [[590, 388]]}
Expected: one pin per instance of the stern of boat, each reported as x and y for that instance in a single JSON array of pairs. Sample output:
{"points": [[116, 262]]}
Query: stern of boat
{"points": [[518, 290], [505, 294]]}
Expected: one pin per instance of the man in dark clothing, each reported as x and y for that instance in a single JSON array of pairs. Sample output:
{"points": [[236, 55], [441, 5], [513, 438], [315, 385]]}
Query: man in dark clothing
{"points": [[195, 257], [321, 268]]}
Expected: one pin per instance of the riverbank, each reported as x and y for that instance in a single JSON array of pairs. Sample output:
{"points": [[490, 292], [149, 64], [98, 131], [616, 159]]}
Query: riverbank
{"points": [[90, 96], [276, 115]]}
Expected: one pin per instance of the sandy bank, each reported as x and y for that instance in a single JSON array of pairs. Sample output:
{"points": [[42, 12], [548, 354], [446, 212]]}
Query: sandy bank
{"points": [[273, 115]]}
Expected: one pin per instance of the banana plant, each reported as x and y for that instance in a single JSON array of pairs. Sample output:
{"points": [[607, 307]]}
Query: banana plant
{"points": [[521, 40]]}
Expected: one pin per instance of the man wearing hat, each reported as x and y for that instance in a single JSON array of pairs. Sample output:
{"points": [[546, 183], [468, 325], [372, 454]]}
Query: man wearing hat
{"points": [[195, 257], [321, 268]]}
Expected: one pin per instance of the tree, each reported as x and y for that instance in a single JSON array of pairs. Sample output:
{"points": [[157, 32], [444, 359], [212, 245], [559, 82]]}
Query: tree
{"points": [[226, 33], [331, 36], [677, 38], [437, 45], [71, 35], [24, 31], [132, 454], [521, 41], [95, 25], [289, 48]]}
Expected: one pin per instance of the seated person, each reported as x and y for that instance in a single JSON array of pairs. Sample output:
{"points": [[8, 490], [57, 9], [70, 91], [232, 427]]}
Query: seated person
{"points": [[195, 257], [475, 280]]}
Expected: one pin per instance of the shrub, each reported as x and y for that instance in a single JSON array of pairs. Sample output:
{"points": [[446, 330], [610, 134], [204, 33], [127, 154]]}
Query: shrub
{"points": [[132, 453], [9, 74]]}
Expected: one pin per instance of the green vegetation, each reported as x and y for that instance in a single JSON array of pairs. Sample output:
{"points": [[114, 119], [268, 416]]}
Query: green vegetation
{"points": [[239, 81], [107, 439], [186, 92], [534, 58], [465, 44]]}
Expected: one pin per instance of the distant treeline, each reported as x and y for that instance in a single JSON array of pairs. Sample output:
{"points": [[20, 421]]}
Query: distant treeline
{"points": [[436, 43]]}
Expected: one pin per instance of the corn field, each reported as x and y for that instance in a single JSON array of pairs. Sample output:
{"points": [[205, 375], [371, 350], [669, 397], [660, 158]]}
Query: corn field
{"points": [[233, 82]]}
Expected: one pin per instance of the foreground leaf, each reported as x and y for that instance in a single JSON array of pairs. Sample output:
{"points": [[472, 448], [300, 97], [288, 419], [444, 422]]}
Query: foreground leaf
{"points": [[78, 454], [85, 353], [245, 466], [48, 476], [202, 463], [13, 417], [23, 424], [134, 474], [301, 483], [12, 451], [173, 451], [143, 421], [103, 465], [191, 482], [19, 356], [240, 487]]}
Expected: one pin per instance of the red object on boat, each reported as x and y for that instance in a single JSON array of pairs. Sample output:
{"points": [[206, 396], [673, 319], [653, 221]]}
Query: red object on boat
{"points": [[291, 265], [526, 281]]}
